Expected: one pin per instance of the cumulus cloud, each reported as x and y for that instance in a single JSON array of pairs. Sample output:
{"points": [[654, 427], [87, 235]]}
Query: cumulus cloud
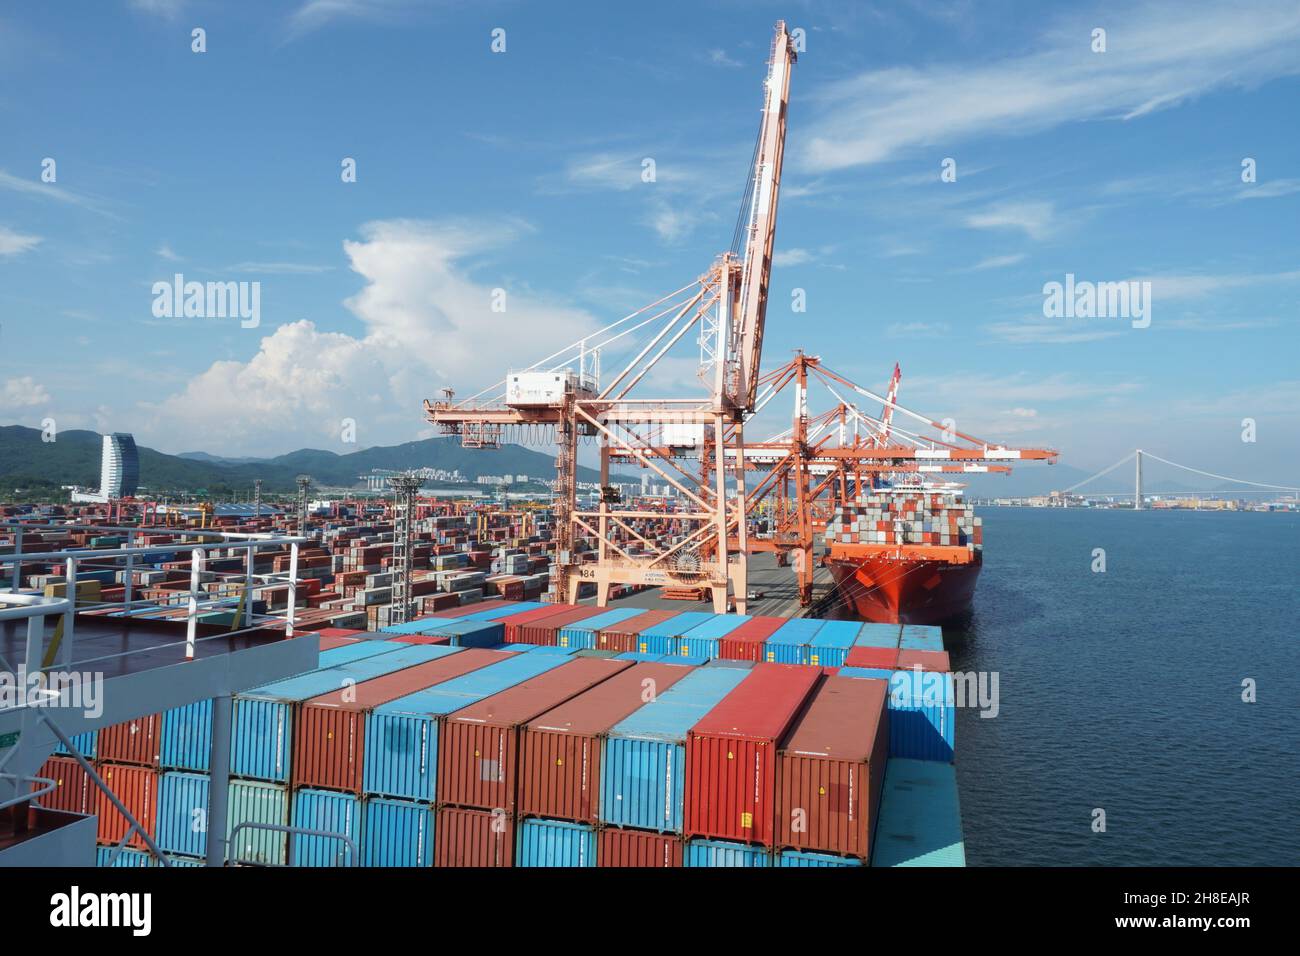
{"points": [[427, 323], [24, 392], [12, 243]]}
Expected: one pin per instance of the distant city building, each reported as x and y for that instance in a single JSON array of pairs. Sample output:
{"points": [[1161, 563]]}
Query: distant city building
{"points": [[119, 471]]}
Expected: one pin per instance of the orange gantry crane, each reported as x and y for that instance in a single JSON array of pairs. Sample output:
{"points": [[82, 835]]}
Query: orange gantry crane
{"points": [[562, 393]]}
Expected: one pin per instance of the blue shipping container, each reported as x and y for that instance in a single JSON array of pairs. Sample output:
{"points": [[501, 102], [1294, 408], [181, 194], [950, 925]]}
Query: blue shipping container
{"points": [[397, 833], [921, 637], [262, 736], [661, 638], [555, 843], [85, 743], [805, 858], [402, 735], [920, 816], [504, 610], [585, 634], [922, 712], [338, 813], [873, 634], [644, 759], [469, 633], [789, 643], [725, 853], [127, 857], [183, 813], [702, 640], [830, 645]]}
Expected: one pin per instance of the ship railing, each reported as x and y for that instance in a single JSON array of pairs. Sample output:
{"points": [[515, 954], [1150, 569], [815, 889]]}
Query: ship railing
{"points": [[292, 831]]}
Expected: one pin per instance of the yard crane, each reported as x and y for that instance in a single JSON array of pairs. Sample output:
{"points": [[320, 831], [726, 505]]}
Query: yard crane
{"points": [[562, 393]]}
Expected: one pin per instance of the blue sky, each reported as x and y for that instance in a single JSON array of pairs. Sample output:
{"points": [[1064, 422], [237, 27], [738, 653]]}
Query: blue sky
{"points": [[521, 170]]}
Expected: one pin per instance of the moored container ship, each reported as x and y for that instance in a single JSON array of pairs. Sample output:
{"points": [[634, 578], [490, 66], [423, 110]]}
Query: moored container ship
{"points": [[905, 555]]}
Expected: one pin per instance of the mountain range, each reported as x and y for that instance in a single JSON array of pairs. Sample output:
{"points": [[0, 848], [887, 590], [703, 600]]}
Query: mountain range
{"points": [[74, 458]]}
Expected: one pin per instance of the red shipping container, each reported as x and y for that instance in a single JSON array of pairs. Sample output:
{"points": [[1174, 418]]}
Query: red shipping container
{"points": [[926, 660], [618, 847], [831, 767], [731, 754], [136, 741], [419, 638], [886, 657], [545, 631], [514, 622], [559, 752], [75, 792], [329, 733], [746, 642], [478, 745], [137, 788], [622, 636], [473, 838]]}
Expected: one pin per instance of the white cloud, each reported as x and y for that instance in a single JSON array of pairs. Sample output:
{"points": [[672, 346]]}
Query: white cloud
{"points": [[23, 392], [167, 9], [997, 262], [1033, 218], [165, 252], [12, 243], [792, 257], [1270, 190], [44, 190], [1173, 287], [1159, 55], [918, 330], [315, 14], [427, 324], [720, 58], [1039, 331]]}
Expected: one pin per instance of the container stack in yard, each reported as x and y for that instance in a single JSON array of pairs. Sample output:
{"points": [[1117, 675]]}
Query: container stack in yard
{"points": [[721, 740]]}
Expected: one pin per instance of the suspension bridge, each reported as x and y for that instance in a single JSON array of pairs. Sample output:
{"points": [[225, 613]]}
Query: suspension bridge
{"points": [[1138, 492]]}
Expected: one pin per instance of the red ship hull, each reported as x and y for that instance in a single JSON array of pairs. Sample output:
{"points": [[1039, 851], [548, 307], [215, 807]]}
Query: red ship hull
{"points": [[906, 591]]}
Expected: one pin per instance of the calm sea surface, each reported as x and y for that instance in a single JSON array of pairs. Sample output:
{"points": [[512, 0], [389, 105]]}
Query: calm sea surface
{"points": [[1123, 690]]}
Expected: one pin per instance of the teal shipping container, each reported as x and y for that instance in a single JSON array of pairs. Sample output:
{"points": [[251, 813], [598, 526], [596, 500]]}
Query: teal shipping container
{"points": [[555, 843], [920, 816], [253, 802], [644, 761]]}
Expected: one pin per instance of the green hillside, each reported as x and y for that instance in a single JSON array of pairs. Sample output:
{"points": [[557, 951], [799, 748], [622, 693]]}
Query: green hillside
{"points": [[74, 458]]}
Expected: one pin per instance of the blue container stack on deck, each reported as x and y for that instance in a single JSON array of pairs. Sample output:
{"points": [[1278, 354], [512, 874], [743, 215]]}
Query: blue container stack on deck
{"points": [[469, 633], [584, 634], [555, 843], [183, 813], [873, 634], [920, 816], [789, 643], [397, 833], [921, 637], [661, 638], [331, 812], [829, 647], [644, 763], [701, 641], [402, 735], [725, 853], [922, 711], [806, 858], [262, 738]]}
